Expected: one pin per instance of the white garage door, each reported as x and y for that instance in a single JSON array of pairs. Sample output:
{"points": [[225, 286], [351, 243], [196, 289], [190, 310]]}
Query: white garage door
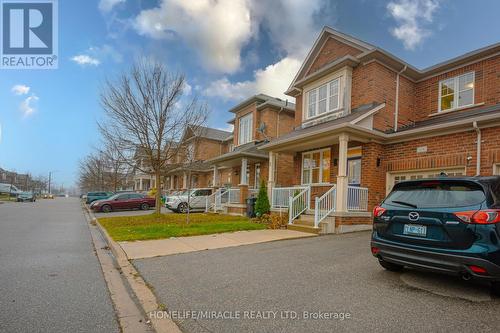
{"points": [[396, 177]]}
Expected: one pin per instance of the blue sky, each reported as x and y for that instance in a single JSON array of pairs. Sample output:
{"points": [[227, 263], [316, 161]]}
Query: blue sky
{"points": [[228, 49]]}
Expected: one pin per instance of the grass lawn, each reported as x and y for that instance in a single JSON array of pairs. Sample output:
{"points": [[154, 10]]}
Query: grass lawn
{"points": [[142, 227]]}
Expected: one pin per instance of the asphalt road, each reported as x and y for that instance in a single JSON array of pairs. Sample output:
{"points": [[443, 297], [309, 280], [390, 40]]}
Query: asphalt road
{"points": [[328, 274], [50, 278]]}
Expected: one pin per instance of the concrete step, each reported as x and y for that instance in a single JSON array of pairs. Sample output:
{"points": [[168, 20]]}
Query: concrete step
{"points": [[304, 228]]}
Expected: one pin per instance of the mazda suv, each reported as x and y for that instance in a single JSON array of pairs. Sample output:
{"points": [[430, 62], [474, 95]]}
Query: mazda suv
{"points": [[445, 225]]}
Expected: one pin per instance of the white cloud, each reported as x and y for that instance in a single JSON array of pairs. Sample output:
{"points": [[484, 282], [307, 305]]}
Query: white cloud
{"points": [[27, 107], [20, 89], [84, 60], [96, 55], [412, 16], [216, 29], [187, 89], [272, 80], [106, 6]]}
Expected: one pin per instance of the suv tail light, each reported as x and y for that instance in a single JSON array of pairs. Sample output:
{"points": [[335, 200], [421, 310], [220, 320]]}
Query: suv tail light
{"points": [[378, 211], [485, 216]]}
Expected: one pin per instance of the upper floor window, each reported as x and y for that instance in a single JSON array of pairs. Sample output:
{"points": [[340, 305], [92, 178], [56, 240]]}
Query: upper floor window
{"points": [[323, 99], [245, 129], [190, 152], [456, 92]]}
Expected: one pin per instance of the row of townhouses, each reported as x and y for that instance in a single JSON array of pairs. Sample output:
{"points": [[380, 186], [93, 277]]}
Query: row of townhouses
{"points": [[363, 120]]}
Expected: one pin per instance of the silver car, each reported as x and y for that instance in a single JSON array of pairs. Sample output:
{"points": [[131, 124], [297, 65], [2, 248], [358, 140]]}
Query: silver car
{"points": [[195, 199]]}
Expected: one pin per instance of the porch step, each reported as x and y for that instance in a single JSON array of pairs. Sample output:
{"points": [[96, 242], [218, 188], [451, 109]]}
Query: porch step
{"points": [[304, 228]]}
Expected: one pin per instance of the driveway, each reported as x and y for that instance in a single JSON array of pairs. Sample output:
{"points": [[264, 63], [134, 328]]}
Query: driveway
{"points": [[51, 280], [330, 274]]}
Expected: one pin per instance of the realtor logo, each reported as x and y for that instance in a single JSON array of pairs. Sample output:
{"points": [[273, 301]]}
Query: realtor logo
{"points": [[28, 34]]}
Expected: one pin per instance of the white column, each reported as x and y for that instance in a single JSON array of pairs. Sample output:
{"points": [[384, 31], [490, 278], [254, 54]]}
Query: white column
{"points": [[140, 184], [342, 182], [171, 182], [244, 168], [184, 180], [272, 171], [215, 181]]}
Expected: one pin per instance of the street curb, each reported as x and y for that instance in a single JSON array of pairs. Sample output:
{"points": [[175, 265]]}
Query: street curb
{"points": [[143, 293]]}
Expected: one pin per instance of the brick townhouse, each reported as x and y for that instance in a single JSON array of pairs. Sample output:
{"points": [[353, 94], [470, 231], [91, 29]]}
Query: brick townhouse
{"points": [[199, 145], [239, 171], [365, 120]]}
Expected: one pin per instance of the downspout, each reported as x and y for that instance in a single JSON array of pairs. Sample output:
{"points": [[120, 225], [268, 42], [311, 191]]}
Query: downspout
{"points": [[396, 106], [478, 148]]}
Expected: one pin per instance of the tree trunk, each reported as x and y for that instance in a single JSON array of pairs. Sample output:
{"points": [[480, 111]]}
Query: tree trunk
{"points": [[158, 194]]}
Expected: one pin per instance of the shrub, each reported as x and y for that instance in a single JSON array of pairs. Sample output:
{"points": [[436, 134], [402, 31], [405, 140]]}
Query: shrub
{"points": [[262, 205]]}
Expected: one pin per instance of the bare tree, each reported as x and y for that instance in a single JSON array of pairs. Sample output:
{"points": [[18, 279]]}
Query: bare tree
{"points": [[145, 112]]}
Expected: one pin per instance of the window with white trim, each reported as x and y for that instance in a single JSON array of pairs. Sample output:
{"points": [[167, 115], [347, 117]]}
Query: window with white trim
{"points": [[316, 167], [245, 129], [456, 92], [323, 99]]}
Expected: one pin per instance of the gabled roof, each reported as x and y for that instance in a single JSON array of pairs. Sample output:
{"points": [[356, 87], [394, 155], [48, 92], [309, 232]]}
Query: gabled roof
{"points": [[247, 150], [371, 52], [353, 118], [211, 133], [262, 99]]}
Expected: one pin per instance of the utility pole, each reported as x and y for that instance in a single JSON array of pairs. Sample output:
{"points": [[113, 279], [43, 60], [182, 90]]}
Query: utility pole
{"points": [[50, 178]]}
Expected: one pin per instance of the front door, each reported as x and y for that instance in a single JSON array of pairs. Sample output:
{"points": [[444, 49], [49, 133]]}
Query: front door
{"points": [[354, 171]]}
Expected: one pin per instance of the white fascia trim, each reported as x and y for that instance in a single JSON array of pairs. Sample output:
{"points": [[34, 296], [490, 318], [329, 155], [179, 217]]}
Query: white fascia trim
{"points": [[366, 115]]}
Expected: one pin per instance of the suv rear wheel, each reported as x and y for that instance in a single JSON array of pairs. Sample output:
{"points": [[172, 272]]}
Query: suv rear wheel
{"points": [[495, 288], [390, 266]]}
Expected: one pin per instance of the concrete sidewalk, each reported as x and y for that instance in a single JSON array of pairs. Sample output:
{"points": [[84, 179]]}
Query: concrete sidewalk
{"points": [[163, 247]]}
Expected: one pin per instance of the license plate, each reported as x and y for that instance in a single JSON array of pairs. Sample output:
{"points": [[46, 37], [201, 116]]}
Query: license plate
{"points": [[415, 230]]}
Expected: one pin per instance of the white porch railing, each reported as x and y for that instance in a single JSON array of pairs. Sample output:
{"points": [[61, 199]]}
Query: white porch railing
{"points": [[299, 204], [215, 200], [324, 205], [280, 196], [357, 199]]}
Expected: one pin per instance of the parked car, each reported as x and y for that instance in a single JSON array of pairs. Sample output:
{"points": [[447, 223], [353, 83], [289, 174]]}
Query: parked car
{"points": [[445, 225], [26, 196], [123, 201], [93, 196], [9, 189], [196, 198]]}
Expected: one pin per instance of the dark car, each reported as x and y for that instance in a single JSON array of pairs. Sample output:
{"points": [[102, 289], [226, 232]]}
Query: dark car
{"points": [[93, 196], [123, 201], [26, 196], [445, 225]]}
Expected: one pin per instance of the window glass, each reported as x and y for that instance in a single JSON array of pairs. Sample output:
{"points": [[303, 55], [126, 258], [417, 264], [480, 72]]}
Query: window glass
{"points": [[334, 95], [312, 103], [434, 194], [316, 167], [325, 177], [322, 99], [457, 92], [245, 129], [354, 171]]}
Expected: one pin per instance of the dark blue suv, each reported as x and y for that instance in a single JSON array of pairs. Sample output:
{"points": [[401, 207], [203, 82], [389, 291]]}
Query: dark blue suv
{"points": [[446, 225]]}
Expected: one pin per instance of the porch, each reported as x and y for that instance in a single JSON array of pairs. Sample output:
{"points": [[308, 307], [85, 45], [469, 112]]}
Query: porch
{"points": [[242, 170], [331, 195]]}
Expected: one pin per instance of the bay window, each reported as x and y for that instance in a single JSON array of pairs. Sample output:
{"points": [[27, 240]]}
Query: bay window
{"points": [[316, 167], [245, 129], [323, 99], [456, 92]]}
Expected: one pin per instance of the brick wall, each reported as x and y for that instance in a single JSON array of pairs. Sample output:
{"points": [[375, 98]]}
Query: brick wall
{"points": [[332, 50], [206, 149]]}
